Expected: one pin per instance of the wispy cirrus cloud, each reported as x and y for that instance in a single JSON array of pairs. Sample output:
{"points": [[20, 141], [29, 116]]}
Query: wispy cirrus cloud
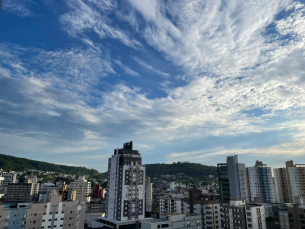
{"points": [[150, 68], [242, 76], [126, 69], [17, 7], [85, 16]]}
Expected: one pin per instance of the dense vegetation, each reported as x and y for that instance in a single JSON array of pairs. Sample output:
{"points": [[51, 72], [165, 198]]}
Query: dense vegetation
{"points": [[10, 163], [193, 170]]}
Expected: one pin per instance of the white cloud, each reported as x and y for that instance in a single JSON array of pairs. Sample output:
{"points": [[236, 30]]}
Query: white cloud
{"points": [[84, 16], [17, 7], [126, 69], [233, 66], [151, 68]]}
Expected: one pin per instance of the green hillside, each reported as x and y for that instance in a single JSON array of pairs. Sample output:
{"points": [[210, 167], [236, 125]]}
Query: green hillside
{"points": [[193, 170], [18, 164]]}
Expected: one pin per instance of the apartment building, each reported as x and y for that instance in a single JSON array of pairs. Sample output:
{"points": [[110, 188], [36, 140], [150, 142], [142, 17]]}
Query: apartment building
{"points": [[148, 195], [292, 217], [82, 188], [290, 182], [155, 209], [237, 214], [208, 206], [126, 185], [54, 214], [281, 185], [169, 205], [174, 221], [45, 190], [22, 192], [261, 184], [7, 179], [232, 179]]}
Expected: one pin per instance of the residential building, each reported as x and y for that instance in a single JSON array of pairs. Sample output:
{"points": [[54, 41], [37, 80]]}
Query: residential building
{"points": [[290, 182], [148, 195], [232, 180], [169, 205], [102, 222], [292, 217], [281, 185], [261, 184], [155, 209], [208, 206], [22, 192], [82, 188], [238, 214], [8, 178], [54, 214], [126, 185], [45, 191], [174, 221]]}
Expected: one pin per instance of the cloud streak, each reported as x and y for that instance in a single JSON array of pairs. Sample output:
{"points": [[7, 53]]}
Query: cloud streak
{"points": [[150, 68], [242, 75]]}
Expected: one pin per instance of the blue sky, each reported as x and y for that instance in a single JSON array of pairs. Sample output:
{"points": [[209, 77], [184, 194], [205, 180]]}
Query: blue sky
{"points": [[186, 80]]}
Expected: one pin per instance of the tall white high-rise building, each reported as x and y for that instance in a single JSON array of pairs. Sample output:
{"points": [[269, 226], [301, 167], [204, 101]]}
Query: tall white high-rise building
{"points": [[261, 183], [82, 188], [126, 185]]}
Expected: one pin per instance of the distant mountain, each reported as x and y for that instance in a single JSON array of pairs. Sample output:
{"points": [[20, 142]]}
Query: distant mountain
{"points": [[10, 163], [192, 170]]}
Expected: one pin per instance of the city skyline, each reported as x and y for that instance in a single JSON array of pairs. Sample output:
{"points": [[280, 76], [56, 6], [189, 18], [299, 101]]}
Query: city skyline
{"points": [[184, 80]]}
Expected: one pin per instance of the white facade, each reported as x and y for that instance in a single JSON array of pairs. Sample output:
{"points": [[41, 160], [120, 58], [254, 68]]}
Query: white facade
{"points": [[126, 185], [133, 193], [295, 182], [82, 188], [211, 216], [169, 205], [255, 217], [257, 189]]}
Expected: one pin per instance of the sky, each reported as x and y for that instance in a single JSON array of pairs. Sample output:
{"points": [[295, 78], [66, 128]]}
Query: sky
{"points": [[185, 80]]}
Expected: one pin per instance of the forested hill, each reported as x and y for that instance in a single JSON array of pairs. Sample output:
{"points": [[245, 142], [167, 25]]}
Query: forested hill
{"points": [[191, 170], [10, 163], [194, 170]]}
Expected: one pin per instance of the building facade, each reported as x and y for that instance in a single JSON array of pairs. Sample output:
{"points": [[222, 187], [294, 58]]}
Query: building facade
{"points": [[292, 217], [208, 206], [290, 182], [22, 192], [82, 188], [169, 205], [281, 185], [238, 214], [261, 184], [126, 185], [8, 178], [54, 214], [232, 180], [148, 195]]}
